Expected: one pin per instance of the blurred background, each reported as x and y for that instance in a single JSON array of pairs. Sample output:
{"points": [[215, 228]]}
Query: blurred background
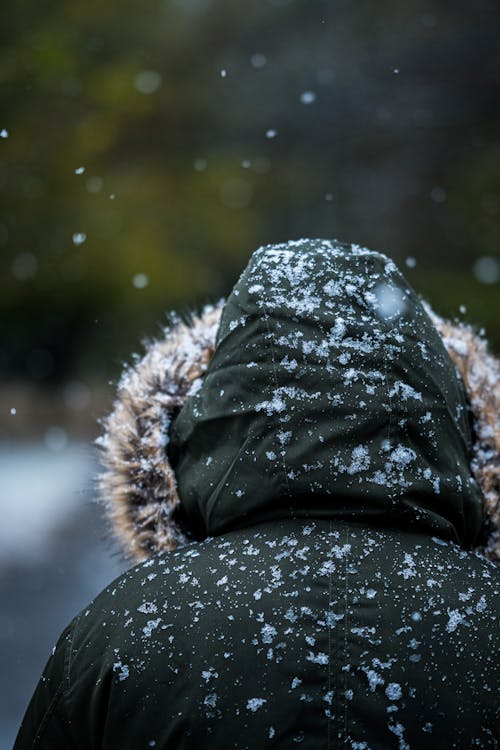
{"points": [[146, 149]]}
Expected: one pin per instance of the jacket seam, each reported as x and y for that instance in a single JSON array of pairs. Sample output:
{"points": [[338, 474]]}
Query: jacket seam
{"points": [[329, 723], [47, 715], [68, 654], [340, 697], [389, 425], [60, 690], [285, 470], [346, 617]]}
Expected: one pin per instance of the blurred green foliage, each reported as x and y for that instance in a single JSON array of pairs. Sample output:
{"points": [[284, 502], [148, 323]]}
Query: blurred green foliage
{"points": [[386, 119]]}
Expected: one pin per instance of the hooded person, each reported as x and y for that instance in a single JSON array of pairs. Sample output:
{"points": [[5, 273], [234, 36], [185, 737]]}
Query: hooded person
{"points": [[308, 475]]}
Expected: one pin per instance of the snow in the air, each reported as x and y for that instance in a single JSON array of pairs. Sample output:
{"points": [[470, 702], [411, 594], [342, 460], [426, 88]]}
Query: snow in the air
{"points": [[79, 238], [307, 97]]}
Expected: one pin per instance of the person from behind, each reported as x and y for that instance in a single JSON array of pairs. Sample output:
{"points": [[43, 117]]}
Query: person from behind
{"points": [[307, 476]]}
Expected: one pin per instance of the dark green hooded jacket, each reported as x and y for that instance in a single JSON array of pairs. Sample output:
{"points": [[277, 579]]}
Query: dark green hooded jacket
{"points": [[312, 453]]}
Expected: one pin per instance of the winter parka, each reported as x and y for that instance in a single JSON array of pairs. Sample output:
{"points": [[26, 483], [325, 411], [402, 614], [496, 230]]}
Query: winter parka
{"points": [[308, 477]]}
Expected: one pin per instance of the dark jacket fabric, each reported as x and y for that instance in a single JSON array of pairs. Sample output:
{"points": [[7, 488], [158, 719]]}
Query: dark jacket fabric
{"points": [[328, 493]]}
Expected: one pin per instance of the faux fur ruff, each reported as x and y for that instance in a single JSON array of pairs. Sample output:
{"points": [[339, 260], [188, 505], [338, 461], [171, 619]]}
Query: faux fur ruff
{"points": [[480, 372], [138, 485]]}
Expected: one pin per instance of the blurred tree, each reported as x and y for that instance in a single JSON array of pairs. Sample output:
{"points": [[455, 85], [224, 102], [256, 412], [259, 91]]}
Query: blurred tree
{"points": [[149, 149]]}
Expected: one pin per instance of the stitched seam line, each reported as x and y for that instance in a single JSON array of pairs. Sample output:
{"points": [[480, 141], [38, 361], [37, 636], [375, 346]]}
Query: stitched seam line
{"points": [[285, 469], [68, 652], [329, 723], [346, 659], [389, 425], [57, 695], [47, 715], [60, 691]]}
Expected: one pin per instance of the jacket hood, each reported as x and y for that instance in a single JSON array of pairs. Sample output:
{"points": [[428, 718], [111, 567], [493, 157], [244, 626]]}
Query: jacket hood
{"points": [[321, 387]]}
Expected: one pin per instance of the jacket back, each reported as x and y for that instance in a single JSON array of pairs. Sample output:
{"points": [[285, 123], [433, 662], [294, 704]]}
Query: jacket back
{"points": [[305, 477], [321, 633]]}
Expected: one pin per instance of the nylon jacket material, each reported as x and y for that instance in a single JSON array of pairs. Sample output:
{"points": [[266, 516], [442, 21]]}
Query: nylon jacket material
{"points": [[322, 633], [327, 595], [330, 391]]}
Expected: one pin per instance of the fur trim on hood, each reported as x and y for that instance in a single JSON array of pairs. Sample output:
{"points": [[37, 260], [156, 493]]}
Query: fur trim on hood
{"points": [[480, 372], [138, 485]]}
